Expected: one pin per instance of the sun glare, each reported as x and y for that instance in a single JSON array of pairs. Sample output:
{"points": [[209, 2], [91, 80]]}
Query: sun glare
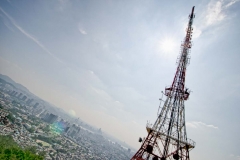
{"points": [[167, 45], [72, 113]]}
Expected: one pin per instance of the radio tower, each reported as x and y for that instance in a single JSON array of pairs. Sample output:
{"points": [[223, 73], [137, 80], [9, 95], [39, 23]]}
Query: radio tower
{"points": [[167, 137]]}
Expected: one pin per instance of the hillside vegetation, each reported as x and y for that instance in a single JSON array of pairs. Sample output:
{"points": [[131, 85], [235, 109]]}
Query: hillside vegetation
{"points": [[9, 150]]}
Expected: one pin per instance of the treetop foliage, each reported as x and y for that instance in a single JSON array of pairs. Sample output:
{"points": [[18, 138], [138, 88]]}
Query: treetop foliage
{"points": [[9, 150]]}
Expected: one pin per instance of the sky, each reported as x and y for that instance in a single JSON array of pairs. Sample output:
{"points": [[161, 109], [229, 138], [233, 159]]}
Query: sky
{"points": [[108, 61]]}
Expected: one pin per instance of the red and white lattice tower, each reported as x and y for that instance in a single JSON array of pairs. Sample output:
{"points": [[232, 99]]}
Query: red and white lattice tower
{"points": [[167, 137]]}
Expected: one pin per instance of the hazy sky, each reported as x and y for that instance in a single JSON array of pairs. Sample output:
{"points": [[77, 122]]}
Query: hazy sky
{"points": [[109, 61]]}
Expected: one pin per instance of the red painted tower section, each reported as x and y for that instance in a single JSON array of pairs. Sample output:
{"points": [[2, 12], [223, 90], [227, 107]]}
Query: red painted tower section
{"points": [[167, 138]]}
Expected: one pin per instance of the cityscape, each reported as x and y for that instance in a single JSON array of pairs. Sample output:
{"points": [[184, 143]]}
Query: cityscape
{"points": [[32, 125], [119, 80]]}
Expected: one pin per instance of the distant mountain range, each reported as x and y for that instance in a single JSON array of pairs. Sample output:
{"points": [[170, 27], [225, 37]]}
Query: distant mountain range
{"points": [[12, 82], [24, 90]]}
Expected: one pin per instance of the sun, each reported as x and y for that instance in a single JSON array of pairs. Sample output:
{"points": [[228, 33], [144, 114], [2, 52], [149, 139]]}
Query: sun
{"points": [[72, 113], [167, 45]]}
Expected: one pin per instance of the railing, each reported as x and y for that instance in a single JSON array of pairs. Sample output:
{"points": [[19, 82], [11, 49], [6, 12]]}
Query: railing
{"points": [[148, 125], [191, 142], [188, 142]]}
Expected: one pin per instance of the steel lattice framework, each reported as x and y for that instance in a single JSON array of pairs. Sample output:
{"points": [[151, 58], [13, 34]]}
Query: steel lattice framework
{"points": [[167, 137]]}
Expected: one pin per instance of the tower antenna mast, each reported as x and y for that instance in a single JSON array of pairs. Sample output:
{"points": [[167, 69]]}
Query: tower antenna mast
{"points": [[167, 137]]}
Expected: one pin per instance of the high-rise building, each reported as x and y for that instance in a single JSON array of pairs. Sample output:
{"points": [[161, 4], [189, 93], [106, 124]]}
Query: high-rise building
{"points": [[29, 101], [73, 133], [73, 130], [15, 94], [66, 129], [50, 118], [43, 114], [24, 98], [12, 93], [37, 111], [62, 124], [19, 96], [45, 118], [35, 105]]}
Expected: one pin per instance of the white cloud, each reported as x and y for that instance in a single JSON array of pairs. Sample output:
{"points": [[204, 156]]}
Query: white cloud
{"points": [[81, 30], [102, 93], [195, 124], [231, 3], [196, 32], [30, 36], [214, 13], [191, 125]]}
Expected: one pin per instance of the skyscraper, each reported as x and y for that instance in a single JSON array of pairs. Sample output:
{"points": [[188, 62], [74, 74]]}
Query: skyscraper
{"points": [[29, 101], [73, 130], [19, 96], [15, 94], [50, 118], [12, 93], [24, 98], [36, 104]]}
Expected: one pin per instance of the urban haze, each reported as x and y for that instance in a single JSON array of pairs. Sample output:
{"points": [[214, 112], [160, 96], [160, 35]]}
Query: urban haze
{"points": [[81, 79]]}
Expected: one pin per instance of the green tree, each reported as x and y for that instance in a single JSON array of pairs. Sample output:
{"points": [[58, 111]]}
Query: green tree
{"points": [[31, 149], [42, 153], [9, 150], [8, 153], [7, 141], [31, 130], [40, 144], [61, 150], [11, 117], [47, 129]]}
